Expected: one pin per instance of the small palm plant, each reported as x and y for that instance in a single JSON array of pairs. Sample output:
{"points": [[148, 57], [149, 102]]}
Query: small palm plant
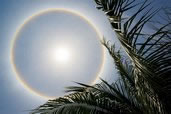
{"points": [[143, 64]]}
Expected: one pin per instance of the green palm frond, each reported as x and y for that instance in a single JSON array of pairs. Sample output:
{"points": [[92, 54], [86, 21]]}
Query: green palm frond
{"points": [[78, 103], [149, 53], [141, 96]]}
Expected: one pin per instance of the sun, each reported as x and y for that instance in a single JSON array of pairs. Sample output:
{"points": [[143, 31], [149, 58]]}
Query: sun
{"points": [[61, 55]]}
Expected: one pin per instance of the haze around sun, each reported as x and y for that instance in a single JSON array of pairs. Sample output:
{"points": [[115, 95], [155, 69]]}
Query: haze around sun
{"points": [[49, 56]]}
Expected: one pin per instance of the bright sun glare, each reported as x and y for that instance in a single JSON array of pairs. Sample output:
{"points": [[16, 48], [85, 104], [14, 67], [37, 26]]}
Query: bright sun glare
{"points": [[61, 55]]}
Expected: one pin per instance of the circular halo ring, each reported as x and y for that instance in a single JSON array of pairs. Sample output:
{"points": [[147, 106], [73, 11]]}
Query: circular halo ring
{"points": [[17, 74]]}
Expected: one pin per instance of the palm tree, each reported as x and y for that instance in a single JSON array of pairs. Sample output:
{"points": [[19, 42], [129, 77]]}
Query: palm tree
{"points": [[143, 64]]}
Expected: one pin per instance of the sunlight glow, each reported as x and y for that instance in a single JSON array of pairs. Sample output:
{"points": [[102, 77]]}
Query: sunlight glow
{"points": [[61, 55], [51, 53]]}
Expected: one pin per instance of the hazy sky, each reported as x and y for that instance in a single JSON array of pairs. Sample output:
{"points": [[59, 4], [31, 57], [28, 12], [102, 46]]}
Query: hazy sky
{"points": [[15, 99], [36, 48]]}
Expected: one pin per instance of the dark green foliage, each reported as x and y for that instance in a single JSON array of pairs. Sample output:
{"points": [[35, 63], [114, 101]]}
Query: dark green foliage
{"points": [[144, 86]]}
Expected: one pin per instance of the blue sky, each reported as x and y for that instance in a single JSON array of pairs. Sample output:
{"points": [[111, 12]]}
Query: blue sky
{"points": [[14, 98]]}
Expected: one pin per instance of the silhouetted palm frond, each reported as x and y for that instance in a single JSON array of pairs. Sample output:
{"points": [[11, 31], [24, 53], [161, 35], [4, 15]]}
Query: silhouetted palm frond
{"points": [[149, 53], [87, 102]]}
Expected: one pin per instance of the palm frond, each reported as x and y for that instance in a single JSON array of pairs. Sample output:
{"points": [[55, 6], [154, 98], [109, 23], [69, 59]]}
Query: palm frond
{"points": [[77, 103], [155, 46]]}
